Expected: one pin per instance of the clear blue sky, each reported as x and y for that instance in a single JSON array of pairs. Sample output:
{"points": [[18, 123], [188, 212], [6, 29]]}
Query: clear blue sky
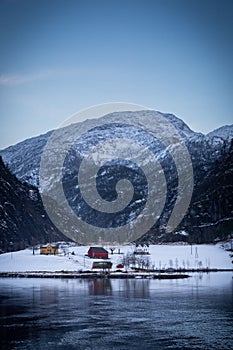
{"points": [[60, 56]]}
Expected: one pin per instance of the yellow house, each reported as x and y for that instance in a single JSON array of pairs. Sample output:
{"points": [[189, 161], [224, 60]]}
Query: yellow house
{"points": [[49, 249]]}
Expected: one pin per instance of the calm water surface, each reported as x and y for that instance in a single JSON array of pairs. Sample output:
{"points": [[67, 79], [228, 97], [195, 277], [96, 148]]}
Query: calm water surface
{"points": [[196, 313]]}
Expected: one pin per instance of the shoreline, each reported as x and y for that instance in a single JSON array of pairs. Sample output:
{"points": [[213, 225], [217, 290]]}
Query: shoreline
{"points": [[159, 275], [92, 275]]}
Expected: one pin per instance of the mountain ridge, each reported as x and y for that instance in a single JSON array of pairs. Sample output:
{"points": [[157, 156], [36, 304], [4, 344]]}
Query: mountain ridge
{"points": [[14, 157], [225, 132]]}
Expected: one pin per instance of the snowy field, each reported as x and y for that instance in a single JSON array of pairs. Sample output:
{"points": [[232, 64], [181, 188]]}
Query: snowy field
{"points": [[161, 256]]}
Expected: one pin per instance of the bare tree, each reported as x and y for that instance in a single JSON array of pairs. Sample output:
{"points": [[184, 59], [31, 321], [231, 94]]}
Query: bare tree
{"points": [[112, 250]]}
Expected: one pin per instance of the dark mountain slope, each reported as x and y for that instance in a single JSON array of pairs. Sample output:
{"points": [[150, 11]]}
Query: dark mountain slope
{"points": [[211, 213], [23, 220]]}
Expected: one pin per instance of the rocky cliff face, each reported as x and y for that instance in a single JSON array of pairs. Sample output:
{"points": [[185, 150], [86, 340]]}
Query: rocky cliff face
{"points": [[23, 220], [209, 216], [211, 213]]}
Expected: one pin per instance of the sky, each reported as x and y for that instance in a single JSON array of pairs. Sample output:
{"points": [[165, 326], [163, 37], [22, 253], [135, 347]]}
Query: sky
{"points": [[61, 56]]}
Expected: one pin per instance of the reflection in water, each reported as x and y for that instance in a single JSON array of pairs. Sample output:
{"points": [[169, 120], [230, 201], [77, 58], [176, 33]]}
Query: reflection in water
{"points": [[130, 288], [48, 296], [100, 286], [120, 314], [136, 288]]}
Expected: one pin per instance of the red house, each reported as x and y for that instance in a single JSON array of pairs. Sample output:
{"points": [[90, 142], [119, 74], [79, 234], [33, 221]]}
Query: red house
{"points": [[97, 252]]}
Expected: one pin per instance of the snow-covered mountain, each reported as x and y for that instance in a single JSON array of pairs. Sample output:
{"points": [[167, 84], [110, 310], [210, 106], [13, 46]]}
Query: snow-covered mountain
{"points": [[210, 154], [225, 132], [23, 159]]}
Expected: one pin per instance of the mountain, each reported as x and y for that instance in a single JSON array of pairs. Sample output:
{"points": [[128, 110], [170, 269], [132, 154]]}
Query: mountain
{"points": [[225, 132], [23, 159], [209, 216], [23, 220]]}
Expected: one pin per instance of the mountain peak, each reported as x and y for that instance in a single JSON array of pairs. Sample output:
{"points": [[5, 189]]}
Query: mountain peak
{"points": [[225, 132], [180, 125]]}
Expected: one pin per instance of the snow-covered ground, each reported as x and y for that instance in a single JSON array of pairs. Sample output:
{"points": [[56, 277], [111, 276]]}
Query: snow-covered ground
{"points": [[161, 256]]}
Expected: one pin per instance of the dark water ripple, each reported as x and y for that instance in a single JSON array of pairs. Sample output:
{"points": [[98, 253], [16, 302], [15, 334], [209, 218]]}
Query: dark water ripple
{"points": [[117, 314]]}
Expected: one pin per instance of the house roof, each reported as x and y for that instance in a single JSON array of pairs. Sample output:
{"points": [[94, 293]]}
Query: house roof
{"points": [[120, 266], [53, 245], [138, 244], [102, 264], [98, 250]]}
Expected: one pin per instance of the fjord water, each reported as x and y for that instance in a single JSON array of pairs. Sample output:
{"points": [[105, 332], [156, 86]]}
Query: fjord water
{"points": [[195, 313]]}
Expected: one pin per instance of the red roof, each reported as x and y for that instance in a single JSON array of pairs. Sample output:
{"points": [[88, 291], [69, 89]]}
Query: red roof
{"points": [[120, 266], [98, 250]]}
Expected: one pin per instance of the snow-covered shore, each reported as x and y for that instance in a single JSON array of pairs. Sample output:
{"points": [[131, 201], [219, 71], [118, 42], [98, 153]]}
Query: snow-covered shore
{"points": [[161, 257]]}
